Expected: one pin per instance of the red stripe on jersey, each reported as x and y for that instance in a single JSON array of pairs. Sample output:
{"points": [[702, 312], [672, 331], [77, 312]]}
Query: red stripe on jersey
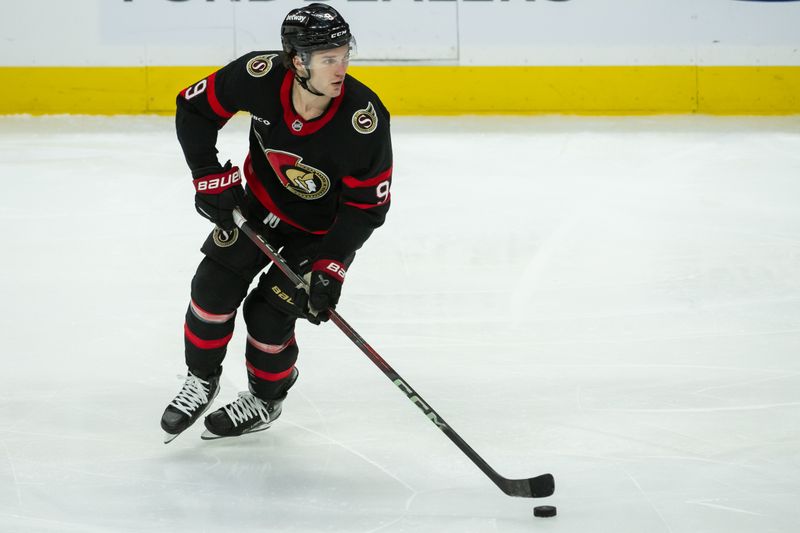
{"points": [[212, 99], [290, 116], [269, 376], [258, 190], [369, 206], [204, 344], [353, 183], [269, 348]]}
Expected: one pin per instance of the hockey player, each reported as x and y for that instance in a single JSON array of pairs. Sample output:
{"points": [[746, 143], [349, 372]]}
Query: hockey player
{"points": [[317, 178]]}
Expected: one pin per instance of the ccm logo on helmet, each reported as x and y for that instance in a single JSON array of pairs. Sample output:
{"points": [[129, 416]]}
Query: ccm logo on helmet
{"points": [[338, 34]]}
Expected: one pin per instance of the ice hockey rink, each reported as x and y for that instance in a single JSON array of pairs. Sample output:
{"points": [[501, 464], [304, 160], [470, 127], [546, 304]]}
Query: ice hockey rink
{"points": [[612, 300]]}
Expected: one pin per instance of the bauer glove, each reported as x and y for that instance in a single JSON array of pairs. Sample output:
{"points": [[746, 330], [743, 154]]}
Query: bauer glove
{"points": [[324, 288], [218, 191]]}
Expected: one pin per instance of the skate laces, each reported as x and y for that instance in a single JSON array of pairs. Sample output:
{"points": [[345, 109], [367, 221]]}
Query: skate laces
{"points": [[192, 395], [246, 406]]}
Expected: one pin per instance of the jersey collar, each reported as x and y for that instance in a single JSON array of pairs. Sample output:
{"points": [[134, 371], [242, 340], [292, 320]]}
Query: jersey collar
{"points": [[296, 124]]}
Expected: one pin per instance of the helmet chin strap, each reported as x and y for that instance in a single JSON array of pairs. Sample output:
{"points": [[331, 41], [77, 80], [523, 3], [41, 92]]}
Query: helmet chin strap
{"points": [[304, 84], [304, 81]]}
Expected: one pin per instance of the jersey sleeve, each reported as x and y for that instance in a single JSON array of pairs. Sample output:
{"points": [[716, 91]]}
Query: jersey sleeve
{"points": [[205, 107], [365, 199]]}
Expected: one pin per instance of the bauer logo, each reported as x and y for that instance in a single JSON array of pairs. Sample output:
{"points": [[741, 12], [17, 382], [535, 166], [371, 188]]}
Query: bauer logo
{"points": [[336, 270], [282, 295], [365, 120], [218, 184], [260, 66]]}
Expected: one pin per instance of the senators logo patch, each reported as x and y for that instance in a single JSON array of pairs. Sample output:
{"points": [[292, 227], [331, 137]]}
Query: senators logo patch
{"points": [[260, 66], [223, 238], [365, 120], [304, 181]]}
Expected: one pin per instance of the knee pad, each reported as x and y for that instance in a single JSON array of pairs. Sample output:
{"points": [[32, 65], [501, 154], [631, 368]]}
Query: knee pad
{"points": [[210, 317], [217, 288], [265, 321], [271, 350]]}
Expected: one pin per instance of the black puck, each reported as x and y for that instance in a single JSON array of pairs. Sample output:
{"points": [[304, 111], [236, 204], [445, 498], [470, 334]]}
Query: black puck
{"points": [[544, 511]]}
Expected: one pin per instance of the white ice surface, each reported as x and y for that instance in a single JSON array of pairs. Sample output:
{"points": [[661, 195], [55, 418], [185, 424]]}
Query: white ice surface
{"points": [[613, 300]]}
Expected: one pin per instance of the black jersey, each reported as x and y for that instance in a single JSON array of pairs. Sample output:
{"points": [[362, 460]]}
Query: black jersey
{"points": [[328, 176]]}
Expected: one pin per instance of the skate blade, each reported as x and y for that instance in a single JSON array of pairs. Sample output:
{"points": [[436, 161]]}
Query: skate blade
{"points": [[169, 437], [207, 435]]}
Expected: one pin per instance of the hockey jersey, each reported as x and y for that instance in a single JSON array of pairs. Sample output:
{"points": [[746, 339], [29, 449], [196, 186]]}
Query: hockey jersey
{"points": [[329, 176]]}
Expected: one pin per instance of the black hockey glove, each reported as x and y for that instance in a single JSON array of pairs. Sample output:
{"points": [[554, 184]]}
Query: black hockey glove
{"points": [[325, 285], [218, 191]]}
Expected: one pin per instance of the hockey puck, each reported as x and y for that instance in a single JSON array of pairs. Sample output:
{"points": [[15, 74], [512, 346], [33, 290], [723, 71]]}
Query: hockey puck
{"points": [[544, 511]]}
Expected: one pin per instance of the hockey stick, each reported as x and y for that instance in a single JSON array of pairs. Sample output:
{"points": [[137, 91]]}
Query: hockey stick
{"points": [[535, 487]]}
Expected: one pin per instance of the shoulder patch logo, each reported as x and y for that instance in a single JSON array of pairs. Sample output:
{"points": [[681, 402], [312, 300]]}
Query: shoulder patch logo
{"points": [[260, 66], [365, 120]]}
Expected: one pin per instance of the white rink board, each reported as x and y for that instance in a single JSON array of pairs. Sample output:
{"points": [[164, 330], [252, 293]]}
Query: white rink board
{"points": [[516, 32]]}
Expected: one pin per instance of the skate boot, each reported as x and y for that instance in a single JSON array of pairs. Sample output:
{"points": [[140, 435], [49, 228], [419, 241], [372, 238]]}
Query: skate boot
{"points": [[246, 414], [193, 400]]}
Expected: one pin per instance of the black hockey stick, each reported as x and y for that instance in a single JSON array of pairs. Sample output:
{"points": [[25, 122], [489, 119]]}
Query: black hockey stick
{"points": [[535, 487]]}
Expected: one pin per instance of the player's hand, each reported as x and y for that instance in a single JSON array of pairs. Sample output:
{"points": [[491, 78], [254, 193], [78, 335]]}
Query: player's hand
{"points": [[218, 191], [325, 286]]}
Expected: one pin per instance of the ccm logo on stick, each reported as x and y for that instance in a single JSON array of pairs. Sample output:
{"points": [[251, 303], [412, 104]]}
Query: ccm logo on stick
{"points": [[409, 392]]}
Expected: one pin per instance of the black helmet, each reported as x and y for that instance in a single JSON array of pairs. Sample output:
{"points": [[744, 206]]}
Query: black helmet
{"points": [[313, 27]]}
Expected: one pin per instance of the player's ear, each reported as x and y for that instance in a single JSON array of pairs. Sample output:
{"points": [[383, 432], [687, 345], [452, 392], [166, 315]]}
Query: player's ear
{"points": [[298, 64]]}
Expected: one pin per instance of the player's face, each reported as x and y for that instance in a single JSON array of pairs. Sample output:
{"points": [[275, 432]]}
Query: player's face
{"points": [[327, 69]]}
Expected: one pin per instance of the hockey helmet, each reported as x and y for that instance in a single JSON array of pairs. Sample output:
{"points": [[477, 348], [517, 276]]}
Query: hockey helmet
{"points": [[314, 27]]}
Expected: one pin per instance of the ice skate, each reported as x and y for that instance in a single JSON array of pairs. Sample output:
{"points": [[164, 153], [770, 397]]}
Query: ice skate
{"points": [[193, 400], [246, 414]]}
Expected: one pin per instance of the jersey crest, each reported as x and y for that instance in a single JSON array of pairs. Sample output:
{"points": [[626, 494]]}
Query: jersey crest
{"points": [[259, 66], [365, 120], [304, 181]]}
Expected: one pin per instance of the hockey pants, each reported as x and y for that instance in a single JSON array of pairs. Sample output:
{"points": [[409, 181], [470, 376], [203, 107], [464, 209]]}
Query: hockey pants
{"points": [[221, 284]]}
